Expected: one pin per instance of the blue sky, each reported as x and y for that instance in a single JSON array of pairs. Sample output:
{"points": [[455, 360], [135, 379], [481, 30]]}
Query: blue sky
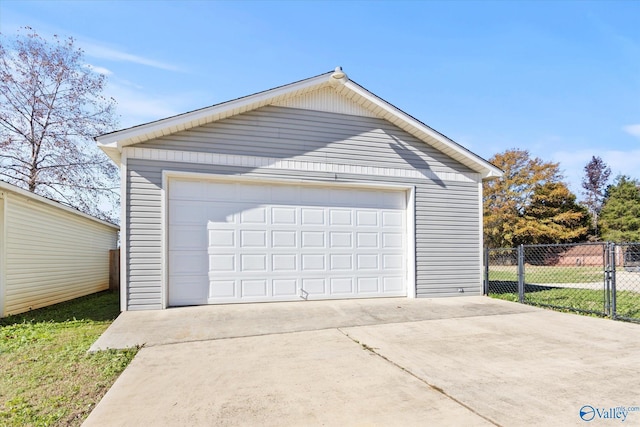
{"points": [[560, 79]]}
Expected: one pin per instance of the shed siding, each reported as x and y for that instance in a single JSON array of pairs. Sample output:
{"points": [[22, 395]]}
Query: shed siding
{"points": [[447, 220], [52, 255]]}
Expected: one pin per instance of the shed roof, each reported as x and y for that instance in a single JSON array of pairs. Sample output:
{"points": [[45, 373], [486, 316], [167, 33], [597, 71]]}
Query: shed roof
{"points": [[6, 187], [113, 143]]}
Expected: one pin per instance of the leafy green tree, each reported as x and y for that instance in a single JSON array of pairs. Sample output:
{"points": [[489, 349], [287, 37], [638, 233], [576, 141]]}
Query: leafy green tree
{"points": [[529, 204], [620, 214]]}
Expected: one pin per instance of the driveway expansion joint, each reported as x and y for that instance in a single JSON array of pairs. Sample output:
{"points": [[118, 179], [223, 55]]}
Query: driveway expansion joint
{"points": [[375, 351]]}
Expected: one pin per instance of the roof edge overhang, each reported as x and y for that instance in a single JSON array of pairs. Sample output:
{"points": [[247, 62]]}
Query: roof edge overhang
{"points": [[420, 130], [10, 188], [113, 143]]}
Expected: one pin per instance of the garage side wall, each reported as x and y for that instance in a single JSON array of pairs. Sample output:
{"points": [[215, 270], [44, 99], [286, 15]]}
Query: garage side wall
{"points": [[52, 255], [286, 143]]}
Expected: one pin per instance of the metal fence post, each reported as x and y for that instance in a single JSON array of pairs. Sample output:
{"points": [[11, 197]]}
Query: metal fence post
{"points": [[612, 278], [607, 277], [485, 283], [521, 274]]}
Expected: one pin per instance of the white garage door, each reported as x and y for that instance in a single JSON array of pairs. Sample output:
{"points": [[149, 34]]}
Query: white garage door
{"points": [[247, 242]]}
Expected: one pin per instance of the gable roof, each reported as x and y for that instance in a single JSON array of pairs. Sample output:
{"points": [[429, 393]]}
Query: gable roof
{"points": [[113, 143]]}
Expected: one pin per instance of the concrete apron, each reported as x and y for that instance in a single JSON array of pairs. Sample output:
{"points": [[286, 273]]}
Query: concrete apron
{"points": [[459, 361]]}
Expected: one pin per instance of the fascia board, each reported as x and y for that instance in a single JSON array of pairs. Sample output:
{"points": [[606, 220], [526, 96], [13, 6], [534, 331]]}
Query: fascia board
{"points": [[485, 168], [173, 124]]}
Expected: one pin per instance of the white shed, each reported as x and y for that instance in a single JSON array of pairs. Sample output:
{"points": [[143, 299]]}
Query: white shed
{"points": [[49, 253]]}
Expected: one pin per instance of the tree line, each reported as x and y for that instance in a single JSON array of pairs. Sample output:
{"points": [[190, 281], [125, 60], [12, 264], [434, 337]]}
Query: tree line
{"points": [[531, 204]]}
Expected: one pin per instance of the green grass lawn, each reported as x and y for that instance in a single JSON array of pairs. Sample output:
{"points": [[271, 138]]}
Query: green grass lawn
{"points": [[570, 299], [545, 274], [47, 378]]}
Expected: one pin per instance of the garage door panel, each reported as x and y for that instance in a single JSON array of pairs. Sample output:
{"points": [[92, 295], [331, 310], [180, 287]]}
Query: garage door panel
{"points": [[256, 215], [253, 288], [221, 238], [285, 288], [368, 218], [188, 237], [340, 239], [367, 240], [284, 262], [312, 216], [187, 212], [367, 262], [313, 239], [188, 262], [284, 216], [342, 285], [222, 263], [392, 262], [391, 240], [222, 289], [189, 290], [252, 263], [341, 262], [392, 219], [313, 262], [248, 242], [284, 239], [253, 238], [338, 217], [314, 286], [368, 285], [391, 284]]}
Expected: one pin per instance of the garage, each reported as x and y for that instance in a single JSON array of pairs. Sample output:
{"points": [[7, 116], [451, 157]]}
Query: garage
{"points": [[317, 189], [250, 241]]}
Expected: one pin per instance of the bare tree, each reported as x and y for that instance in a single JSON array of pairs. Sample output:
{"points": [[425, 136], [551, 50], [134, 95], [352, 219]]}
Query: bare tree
{"points": [[51, 105], [596, 177]]}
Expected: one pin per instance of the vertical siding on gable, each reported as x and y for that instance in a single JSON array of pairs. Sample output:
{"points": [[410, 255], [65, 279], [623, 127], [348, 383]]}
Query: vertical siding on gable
{"points": [[326, 99], [52, 255]]}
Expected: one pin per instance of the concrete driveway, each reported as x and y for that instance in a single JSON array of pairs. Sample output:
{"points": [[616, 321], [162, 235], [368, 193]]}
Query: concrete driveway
{"points": [[454, 361]]}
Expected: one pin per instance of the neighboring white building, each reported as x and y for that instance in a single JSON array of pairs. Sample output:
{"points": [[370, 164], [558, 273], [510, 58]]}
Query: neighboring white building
{"points": [[49, 253], [317, 189]]}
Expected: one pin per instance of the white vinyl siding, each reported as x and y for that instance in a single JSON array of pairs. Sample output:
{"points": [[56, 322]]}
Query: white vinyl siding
{"points": [[50, 254], [297, 134], [447, 213]]}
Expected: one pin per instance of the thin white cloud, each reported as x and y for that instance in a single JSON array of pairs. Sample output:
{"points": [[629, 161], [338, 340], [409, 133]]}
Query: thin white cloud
{"points": [[633, 130], [99, 70], [98, 50], [136, 107]]}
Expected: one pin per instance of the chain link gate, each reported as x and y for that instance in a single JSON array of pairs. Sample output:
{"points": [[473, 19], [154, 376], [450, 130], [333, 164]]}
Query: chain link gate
{"points": [[626, 281], [594, 278]]}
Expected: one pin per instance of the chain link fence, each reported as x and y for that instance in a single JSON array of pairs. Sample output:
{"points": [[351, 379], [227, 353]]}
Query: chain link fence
{"points": [[595, 278]]}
